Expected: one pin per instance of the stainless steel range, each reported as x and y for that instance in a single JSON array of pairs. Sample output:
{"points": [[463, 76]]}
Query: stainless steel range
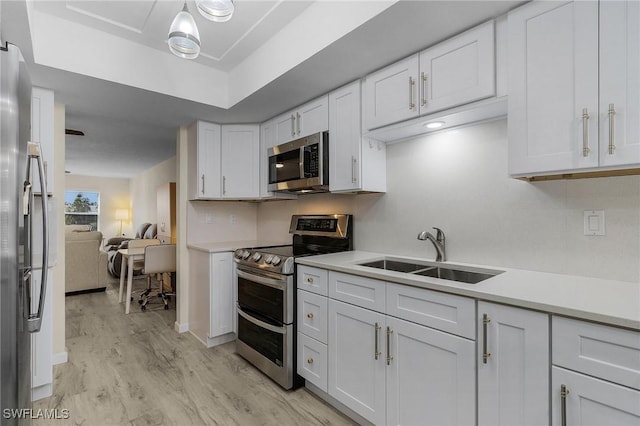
{"points": [[267, 287]]}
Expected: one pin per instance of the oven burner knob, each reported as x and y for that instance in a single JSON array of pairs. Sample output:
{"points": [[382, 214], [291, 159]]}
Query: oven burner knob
{"points": [[256, 257], [238, 253], [269, 259], [276, 261], [245, 255]]}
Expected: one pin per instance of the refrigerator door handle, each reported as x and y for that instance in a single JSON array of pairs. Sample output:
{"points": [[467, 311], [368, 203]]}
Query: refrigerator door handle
{"points": [[34, 320]]}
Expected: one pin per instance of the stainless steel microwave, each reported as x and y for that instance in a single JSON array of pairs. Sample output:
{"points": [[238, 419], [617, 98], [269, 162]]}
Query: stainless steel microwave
{"points": [[301, 165]]}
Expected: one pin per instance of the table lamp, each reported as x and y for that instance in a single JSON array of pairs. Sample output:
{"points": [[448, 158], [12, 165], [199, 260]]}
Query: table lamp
{"points": [[122, 214]]}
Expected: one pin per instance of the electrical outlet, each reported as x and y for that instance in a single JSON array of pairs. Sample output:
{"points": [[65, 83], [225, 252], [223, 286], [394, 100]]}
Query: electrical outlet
{"points": [[594, 222], [232, 219], [208, 218]]}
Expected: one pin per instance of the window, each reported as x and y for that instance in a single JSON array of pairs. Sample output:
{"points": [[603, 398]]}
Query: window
{"points": [[82, 208]]}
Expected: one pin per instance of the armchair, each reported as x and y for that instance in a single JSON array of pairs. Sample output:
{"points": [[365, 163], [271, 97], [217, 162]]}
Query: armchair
{"points": [[85, 262]]}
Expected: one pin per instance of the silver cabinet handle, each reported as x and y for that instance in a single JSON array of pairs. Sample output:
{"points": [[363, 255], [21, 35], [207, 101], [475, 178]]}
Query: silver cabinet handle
{"points": [[423, 102], [377, 352], [612, 127], [224, 185], [564, 391], [203, 184], [34, 320], [293, 123], [354, 171], [485, 322], [412, 83], [298, 117], [585, 133], [310, 315], [389, 356]]}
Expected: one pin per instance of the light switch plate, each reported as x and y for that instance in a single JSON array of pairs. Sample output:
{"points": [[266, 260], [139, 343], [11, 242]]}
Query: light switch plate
{"points": [[594, 222]]}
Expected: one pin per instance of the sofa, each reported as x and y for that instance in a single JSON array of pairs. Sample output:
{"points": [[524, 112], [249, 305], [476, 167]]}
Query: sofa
{"points": [[114, 259], [85, 262]]}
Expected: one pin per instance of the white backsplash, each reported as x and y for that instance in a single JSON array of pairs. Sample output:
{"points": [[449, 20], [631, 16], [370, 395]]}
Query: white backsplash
{"points": [[457, 180], [219, 221]]}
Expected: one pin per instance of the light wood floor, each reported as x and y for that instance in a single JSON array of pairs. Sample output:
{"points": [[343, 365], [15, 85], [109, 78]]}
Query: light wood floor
{"points": [[136, 370]]}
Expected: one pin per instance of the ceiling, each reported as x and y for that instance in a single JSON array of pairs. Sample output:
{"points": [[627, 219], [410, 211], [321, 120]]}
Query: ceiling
{"points": [[268, 58]]}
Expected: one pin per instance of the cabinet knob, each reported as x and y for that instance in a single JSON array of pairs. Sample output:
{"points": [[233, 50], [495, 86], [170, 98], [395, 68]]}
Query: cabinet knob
{"points": [[310, 280], [310, 315], [310, 361]]}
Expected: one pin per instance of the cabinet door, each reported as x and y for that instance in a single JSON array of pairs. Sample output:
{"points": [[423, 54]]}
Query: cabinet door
{"points": [[619, 83], [208, 160], [42, 123], [240, 161], [356, 363], [222, 307], [285, 126], [345, 139], [459, 70], [166, 212], [553, 79], [430, 378], [589, 401], [391, 94], [312, 117], [513, 381]]}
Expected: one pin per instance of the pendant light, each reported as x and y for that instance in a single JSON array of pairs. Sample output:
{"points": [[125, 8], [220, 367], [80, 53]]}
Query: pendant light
{"points": [[184, 38], [216, 10]]}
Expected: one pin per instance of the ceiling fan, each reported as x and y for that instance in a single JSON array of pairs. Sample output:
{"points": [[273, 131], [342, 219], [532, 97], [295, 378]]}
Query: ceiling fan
{"points": [[73, 132]]}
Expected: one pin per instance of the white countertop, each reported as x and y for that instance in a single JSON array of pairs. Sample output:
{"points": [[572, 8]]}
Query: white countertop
{"points": [[606, 301], [219, 247]]}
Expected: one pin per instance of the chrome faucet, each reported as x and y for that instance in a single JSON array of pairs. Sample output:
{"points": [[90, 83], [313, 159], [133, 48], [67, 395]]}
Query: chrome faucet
{"points": [[438, 242]]}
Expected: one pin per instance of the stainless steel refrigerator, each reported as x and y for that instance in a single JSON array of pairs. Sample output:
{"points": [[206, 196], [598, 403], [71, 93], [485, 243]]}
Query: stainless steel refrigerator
{"points": [[19, 314]]}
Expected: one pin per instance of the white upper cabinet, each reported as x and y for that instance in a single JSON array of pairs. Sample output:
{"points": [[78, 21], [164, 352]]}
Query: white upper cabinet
{"points": [[455, 72], [619, 83], [569, 65], [354, 164], [240, 161], [391, 94], [42, 123], [459, 70], [310, 118], [223, 161], [203, 154]]}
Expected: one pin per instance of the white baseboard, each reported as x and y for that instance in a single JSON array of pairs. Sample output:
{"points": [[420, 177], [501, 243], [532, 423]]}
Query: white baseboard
{"points": [[181, 328], [40, 392], [60, 358]]}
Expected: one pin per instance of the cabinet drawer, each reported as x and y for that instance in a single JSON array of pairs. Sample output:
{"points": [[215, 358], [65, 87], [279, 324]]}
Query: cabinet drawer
{"points": [[446, 312], [312, 279], [312, 315], [609, 353], [365, 292], [312, 361]]}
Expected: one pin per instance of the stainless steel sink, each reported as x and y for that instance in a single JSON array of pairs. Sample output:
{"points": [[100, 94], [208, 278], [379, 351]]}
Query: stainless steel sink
{"points": [[461, 274]]}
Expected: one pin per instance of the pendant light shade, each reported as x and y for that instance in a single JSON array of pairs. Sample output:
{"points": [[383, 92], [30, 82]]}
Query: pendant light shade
{"points": [[184, 38], [216, 10]]}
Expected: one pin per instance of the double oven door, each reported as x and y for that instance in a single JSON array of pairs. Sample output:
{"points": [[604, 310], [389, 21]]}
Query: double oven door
{"points": [[265, 322]]}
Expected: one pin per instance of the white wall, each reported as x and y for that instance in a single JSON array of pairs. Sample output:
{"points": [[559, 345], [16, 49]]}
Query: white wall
{"points": [[144, 191], [114, 194], [218, 221], [59, 316], [457, 180]]}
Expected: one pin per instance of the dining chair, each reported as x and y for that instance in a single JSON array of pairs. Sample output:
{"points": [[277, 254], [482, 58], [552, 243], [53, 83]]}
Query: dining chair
{"points": [[158, 259], [138, 265]]}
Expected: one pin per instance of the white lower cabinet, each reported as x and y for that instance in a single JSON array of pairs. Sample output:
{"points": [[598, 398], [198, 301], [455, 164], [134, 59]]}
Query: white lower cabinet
{"points": [[583, 400], [430, 376], [513, 366], [357, 359], [392, 371], [596, 374], [211, 304]]}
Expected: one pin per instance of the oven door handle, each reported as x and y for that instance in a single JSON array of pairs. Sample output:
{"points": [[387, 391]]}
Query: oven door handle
{"points": [[271, 282], [262, 324]]}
